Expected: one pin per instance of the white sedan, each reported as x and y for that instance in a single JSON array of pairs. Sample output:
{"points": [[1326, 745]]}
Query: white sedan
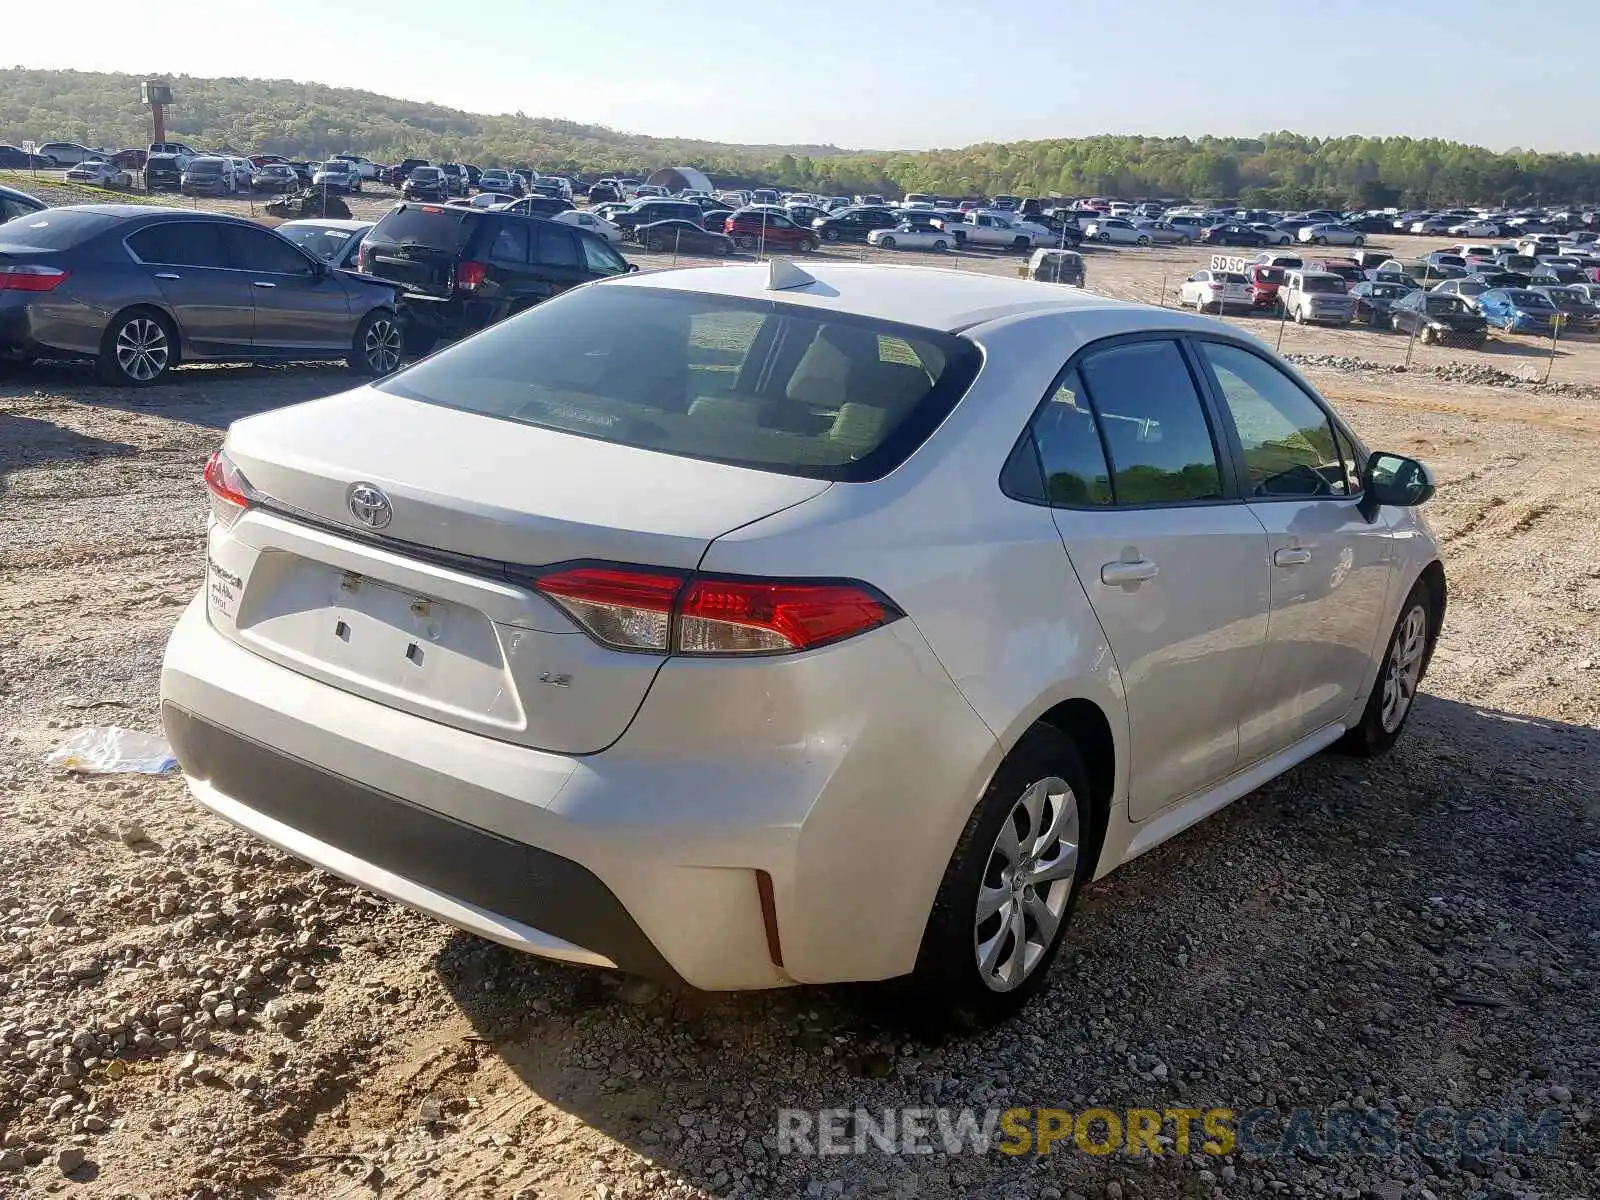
{"points": [[1117, 229], [1213, 291], [101, 174], [911, 235], [723, 709], [1475, 229], [586, 220], [1332, 235]]}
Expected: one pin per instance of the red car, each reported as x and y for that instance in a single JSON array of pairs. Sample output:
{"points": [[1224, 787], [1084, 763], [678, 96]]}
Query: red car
{"points": [[751, 230], [1264, 285]]}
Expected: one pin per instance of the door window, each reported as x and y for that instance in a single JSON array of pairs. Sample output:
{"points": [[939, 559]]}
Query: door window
{"points": [[601, 258], [1154, 424], [264, 253], [556, 248], [1287, 437], [181, 244], [510, 241]]}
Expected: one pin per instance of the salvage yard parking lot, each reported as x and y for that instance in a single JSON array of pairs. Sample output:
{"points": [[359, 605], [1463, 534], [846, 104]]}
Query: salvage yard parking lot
{"points": [[1419, 932]]}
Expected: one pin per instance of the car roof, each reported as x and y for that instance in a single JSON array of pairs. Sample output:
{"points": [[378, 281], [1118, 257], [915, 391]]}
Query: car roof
{"points": [[929, 297]]}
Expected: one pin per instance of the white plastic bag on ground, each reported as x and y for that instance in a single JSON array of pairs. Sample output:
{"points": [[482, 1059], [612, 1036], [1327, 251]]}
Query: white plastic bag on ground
{"points": [[107, 749]]}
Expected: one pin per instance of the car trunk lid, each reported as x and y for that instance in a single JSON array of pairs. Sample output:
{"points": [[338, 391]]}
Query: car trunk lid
{"points": [[435, 612]]}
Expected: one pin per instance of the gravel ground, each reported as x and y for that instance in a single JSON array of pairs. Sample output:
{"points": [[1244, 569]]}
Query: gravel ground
{"points": [[185, 1013]]}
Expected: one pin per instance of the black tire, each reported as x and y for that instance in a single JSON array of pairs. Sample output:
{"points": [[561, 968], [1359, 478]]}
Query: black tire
{"points": [[1022, 243], [745, 242], [1360, 241], [655, 242], [1372, 735], [940, 246], [886, 243], [1320, 241], [830, 235], [947, 977], [120, 363], [378, 346], [811, 245], [723, 248], [1144, 239]]}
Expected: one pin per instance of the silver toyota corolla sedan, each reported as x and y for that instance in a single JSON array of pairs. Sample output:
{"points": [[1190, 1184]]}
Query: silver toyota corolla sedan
{"points": [[750, 626]]}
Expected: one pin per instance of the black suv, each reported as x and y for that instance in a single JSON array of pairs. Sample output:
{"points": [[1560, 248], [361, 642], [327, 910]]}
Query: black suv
{"points": [[853, 224], [648, 212], [163, 172], [424, 183], [461, 269]]}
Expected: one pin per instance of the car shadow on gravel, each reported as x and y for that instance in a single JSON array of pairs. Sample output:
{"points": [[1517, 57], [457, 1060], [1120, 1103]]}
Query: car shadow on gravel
{"points": [[1393, 926], [205, 394], [30, 442]]}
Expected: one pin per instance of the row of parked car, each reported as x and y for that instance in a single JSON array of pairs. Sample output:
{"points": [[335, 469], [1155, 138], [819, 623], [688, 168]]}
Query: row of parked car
{"points": [[1433, 298], [137, 290]]}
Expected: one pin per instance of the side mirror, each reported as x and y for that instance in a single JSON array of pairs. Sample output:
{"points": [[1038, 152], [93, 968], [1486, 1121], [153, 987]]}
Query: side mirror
{"points": [[1395, 480]]}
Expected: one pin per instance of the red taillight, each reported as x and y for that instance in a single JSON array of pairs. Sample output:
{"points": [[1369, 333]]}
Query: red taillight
{"points": [[230, 490], [30, 279], [470, 275], [661, 612], [750, 616], [620, 607]]}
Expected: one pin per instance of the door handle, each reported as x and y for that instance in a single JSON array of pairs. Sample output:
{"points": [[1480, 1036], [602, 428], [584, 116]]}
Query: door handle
{"points": [[1291, 556], [1134, 572], [263, 283], [168, 275]]}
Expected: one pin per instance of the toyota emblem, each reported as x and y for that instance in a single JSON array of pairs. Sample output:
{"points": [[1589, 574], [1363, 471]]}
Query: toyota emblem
{"points": [[368, 505]]}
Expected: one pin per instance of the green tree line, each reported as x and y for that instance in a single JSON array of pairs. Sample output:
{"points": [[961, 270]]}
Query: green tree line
{"points": [[308, 120]]}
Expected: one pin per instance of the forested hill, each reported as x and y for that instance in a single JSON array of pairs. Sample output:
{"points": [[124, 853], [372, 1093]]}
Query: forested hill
{"points": [[1274, 170]]}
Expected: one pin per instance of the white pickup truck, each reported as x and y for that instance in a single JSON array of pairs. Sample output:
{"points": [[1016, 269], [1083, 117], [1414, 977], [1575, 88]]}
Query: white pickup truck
{"points": [[1000, 229]]}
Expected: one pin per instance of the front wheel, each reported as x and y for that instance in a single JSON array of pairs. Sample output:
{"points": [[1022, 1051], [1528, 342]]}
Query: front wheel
{"points": [[655, 242], [1104, 237], [1185, 241], [1011, 885], [137, 349], [723, 248], [811, 245], [376, 348], [1319, 241], [886, 243], [1404, 663], [1022, 243], [1360, 241], [830, 235], [1144, 240], [745, 242], [941, 246]]}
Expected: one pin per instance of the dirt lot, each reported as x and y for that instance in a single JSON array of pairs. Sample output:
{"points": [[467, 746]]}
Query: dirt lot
{"points": [[203, 1018]]}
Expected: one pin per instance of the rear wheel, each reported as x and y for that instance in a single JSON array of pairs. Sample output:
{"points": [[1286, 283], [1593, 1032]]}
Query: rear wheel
{"points": [[1011, 885], [1144, 239], [377, 346], [830, 235], [139, 347], [1360, 241], [940, 246]]}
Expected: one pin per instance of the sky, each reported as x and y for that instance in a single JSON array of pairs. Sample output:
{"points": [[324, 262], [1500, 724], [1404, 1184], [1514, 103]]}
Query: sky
{"points": [[866, 74]]}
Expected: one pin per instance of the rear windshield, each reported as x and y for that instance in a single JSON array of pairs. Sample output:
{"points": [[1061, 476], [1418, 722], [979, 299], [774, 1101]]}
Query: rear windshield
{"points": [[1320, 283], [54, 228], [1440, 305], [433, 227], [205, 166], [755, 383]]}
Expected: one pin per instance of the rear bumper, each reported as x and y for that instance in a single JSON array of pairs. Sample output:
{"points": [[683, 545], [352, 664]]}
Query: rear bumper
{"points": [[450, 318], [843, 776], [512, 893]]}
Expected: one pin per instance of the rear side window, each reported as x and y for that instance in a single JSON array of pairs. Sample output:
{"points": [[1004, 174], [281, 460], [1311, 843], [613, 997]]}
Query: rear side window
{"points": [[1154, 424], [426, 226], [754, 383], [1071, 455], [182, 244]]}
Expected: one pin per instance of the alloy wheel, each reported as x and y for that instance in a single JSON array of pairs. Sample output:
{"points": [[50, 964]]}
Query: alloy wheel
{"points": [[1403, 670], [1027, 883], [143, 351], [382, 345]]}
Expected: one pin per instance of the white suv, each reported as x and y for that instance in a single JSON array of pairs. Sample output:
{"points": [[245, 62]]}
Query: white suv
{"points": [[752, 626]]}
